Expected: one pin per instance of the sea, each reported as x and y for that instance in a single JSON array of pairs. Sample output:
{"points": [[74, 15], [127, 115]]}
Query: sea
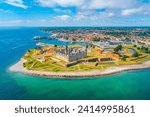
{"points": [[15, 41]]}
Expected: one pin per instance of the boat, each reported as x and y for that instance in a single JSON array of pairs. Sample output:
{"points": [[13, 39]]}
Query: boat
{"points": [[40, 38], [36, 37]]}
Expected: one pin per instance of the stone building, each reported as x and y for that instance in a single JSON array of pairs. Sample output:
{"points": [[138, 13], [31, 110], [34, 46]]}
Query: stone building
{"points": [[70, 54]]}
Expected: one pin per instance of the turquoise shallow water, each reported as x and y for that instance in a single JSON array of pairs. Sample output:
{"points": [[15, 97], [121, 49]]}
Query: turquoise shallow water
{"points": [[14, 42]]}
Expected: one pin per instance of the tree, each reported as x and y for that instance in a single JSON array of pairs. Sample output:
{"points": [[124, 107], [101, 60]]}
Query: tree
{"points": [[24, 65], [142, 48], [124, 57], [73, 39], [29, 50], [145, 49], [118, 48], [136, 54], [55, 45], [87, 46], [96, 39], [138, 48]]}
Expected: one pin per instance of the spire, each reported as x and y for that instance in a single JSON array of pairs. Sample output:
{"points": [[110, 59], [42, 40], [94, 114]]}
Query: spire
{"points": [[66, 49]]}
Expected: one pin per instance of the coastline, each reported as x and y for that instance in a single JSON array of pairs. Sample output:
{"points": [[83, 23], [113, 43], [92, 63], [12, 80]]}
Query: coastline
{"points": [[18, 67]]}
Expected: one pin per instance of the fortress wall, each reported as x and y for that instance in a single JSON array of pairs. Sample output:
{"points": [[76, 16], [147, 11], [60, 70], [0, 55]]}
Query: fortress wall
{"points": [[62, 56], [72, 54]]}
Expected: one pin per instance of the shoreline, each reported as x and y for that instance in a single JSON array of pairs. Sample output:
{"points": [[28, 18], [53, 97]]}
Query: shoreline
{"points": [[18, 67]]}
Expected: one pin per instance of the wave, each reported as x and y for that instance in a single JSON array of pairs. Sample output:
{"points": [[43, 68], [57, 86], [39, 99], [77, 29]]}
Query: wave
{"points": [[22, 45]]}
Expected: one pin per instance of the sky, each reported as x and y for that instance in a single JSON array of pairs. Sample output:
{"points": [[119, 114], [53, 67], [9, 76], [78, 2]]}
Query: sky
{"points": [[74, 12]]}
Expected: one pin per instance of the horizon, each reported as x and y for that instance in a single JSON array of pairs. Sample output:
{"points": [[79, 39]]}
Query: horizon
{"points": [[76, 26], [74, 13]]}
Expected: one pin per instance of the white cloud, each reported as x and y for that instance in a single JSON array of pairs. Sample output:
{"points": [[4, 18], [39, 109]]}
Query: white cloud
{"points": [[11, 22], [138, 10], [131, 11], [5, 11], [110, 14], [80, 16], [22, 22], [96, 4], [88, 9], [93, 15], [46, 3], [42, 20], [16, 3], [14, 21], [64, 3], [62, 10], [88, 14], [115, 7], [90, 4], [63, 17]]}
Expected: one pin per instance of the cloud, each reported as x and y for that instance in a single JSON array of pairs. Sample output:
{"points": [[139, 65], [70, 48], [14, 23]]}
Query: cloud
{"points": [[139, 10], [11, 22], [90, 4], [5, 11], [62, 10], [99, 4], [63, 17], [113, 7], [83, 11], [93, 15], [64, 3], [131, 11], [15, 21], [25, 22], [16, 3]]}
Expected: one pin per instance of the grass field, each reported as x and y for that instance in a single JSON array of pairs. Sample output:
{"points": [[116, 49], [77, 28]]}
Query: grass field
{"points": [[52, 65]]}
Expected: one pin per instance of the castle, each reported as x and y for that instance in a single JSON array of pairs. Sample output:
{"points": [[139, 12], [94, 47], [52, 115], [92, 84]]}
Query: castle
{"points": [[70, 54]]}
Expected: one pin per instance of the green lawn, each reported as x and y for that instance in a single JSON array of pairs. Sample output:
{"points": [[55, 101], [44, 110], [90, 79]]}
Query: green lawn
{"points": [[51, 65]]}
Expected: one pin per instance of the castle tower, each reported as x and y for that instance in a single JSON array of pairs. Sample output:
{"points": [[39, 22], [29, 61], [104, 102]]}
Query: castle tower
{"points": [[66, 50]]}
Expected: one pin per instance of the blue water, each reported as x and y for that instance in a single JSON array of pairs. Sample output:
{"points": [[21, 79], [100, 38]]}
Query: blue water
{"points": [[13, 44], [132, 50]]}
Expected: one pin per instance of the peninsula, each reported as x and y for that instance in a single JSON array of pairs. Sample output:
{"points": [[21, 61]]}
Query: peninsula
{"points": [[101, 55]]}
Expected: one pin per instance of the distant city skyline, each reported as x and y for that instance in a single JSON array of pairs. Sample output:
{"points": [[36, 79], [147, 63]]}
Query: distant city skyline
{"points": [[74, 13]]}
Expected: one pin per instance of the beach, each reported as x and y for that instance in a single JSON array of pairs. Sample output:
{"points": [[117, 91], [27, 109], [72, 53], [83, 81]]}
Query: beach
{"points": [[18, 67]]}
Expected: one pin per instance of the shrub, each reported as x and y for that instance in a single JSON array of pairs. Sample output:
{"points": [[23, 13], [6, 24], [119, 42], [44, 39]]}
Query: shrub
{"points": [[135, 54], [119, 47], [138, 48], [96, 39]]}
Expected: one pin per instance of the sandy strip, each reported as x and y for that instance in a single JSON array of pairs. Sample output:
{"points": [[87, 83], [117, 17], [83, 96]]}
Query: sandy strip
{"points": [[18, 67]]}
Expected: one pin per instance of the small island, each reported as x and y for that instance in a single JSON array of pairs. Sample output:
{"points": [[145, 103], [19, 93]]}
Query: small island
{"points": [[90, 59]]}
